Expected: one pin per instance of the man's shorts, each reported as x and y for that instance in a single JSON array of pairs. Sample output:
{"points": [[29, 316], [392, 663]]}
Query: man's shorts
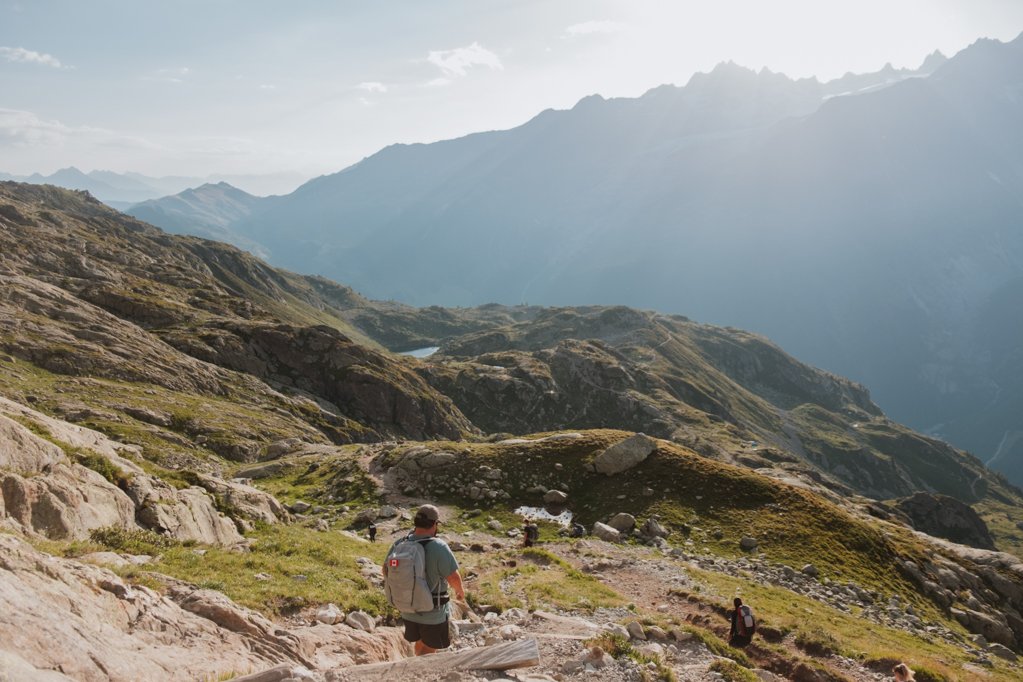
{"points": [[433, 636]]}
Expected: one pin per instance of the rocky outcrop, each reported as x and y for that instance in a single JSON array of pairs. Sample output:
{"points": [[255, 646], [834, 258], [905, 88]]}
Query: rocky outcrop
{"points": [[67, 501], [379, 395], [245, 501], [43, 491], [65, 620], [946, 517], [188, 514]]}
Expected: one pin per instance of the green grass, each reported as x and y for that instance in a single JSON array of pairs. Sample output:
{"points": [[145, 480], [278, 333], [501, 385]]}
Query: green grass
{"points": [[618, 647], [326, 559], [844, 633], [732, 672], [327, 480], [538, 579]]}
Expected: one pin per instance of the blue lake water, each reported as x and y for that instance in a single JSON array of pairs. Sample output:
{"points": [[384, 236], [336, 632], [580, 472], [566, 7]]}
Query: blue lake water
{"points": [[422, 352]]}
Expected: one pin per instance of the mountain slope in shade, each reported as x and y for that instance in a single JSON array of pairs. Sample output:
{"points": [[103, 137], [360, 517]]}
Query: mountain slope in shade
{"points": [[865, 233], [207, 211]]}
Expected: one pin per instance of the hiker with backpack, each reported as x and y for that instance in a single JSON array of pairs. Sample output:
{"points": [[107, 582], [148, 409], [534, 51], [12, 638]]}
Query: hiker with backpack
{"points": [[530, 534], [417, 573], [902, 673], [743, 625]]}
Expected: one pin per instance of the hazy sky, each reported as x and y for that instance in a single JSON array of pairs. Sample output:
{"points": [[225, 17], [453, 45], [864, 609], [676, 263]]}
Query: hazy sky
{"points": [[250, 86]]}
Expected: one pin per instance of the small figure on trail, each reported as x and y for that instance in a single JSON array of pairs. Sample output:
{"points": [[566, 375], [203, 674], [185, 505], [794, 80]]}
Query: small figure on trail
{"points": [[417, 572], [903, 673], [743, 624], [530, 534], [372, 530], [578, 530]]}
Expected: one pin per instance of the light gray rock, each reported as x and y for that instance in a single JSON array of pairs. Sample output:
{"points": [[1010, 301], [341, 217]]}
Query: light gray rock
{"points": [[810, 570], [330, 614], [636, 631], [622, 522], [555, 497], [605, 532], [625, 454], [360, 620]]}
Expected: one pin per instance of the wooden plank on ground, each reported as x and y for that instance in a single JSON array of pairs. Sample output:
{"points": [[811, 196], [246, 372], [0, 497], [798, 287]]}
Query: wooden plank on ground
{"points": [[521, 653]]}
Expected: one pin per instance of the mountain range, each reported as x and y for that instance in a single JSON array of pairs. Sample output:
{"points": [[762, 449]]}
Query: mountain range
{"points": [[192, 443], [868, 224], [122, 190]]}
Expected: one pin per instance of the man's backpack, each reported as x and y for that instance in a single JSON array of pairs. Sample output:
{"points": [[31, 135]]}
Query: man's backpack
{"points": [[745, 623], [405, 584], [532, 532]]}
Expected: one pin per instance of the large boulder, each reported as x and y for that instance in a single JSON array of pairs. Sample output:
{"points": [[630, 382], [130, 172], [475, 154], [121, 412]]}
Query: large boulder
{"points": [[625, 454], [622, 522]]}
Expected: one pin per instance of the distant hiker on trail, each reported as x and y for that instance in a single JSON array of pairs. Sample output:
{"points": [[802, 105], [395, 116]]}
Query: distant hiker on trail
{"points": [[578, 530], [743, 625], [530, 534], [903, 673], [372, 532], [418, 569]]}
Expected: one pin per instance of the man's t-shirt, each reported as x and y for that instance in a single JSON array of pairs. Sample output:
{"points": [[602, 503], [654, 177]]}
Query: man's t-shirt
{"points": [[440, 563]]}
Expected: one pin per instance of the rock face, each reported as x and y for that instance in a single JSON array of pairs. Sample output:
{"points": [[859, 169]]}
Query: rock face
{"points": [[44, 492], [381, 395], [624, 455], [946, 517], [122, 633]]}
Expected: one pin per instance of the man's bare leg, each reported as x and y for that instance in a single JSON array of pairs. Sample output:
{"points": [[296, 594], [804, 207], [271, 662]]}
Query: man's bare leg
{"points": [[423, 650]]}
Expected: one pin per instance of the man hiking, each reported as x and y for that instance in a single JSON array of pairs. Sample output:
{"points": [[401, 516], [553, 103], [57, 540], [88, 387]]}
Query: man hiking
{"points": [[743, 625], [530, 534], [417, 572]]}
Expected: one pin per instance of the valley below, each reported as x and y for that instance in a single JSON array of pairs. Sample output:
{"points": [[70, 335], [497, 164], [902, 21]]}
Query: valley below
{"points": [[193, 444]]}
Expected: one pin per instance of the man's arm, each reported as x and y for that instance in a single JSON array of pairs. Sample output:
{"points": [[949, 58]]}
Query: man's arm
{"points": [[455, 582]]}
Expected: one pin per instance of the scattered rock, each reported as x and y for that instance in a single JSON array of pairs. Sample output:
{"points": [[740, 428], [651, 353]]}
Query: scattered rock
{"points": [[635, 630], [360, 620], [748, 544]]}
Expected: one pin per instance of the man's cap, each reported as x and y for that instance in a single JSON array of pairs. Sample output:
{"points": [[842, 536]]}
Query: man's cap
{"points": [[428, 511]]}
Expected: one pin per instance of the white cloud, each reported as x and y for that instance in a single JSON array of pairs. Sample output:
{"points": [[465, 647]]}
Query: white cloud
{"points": [[437, 82], [592, 27], [267, 86], [174, 75], [20, 54], [25, 129], [457, 62], [372, 86]]}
